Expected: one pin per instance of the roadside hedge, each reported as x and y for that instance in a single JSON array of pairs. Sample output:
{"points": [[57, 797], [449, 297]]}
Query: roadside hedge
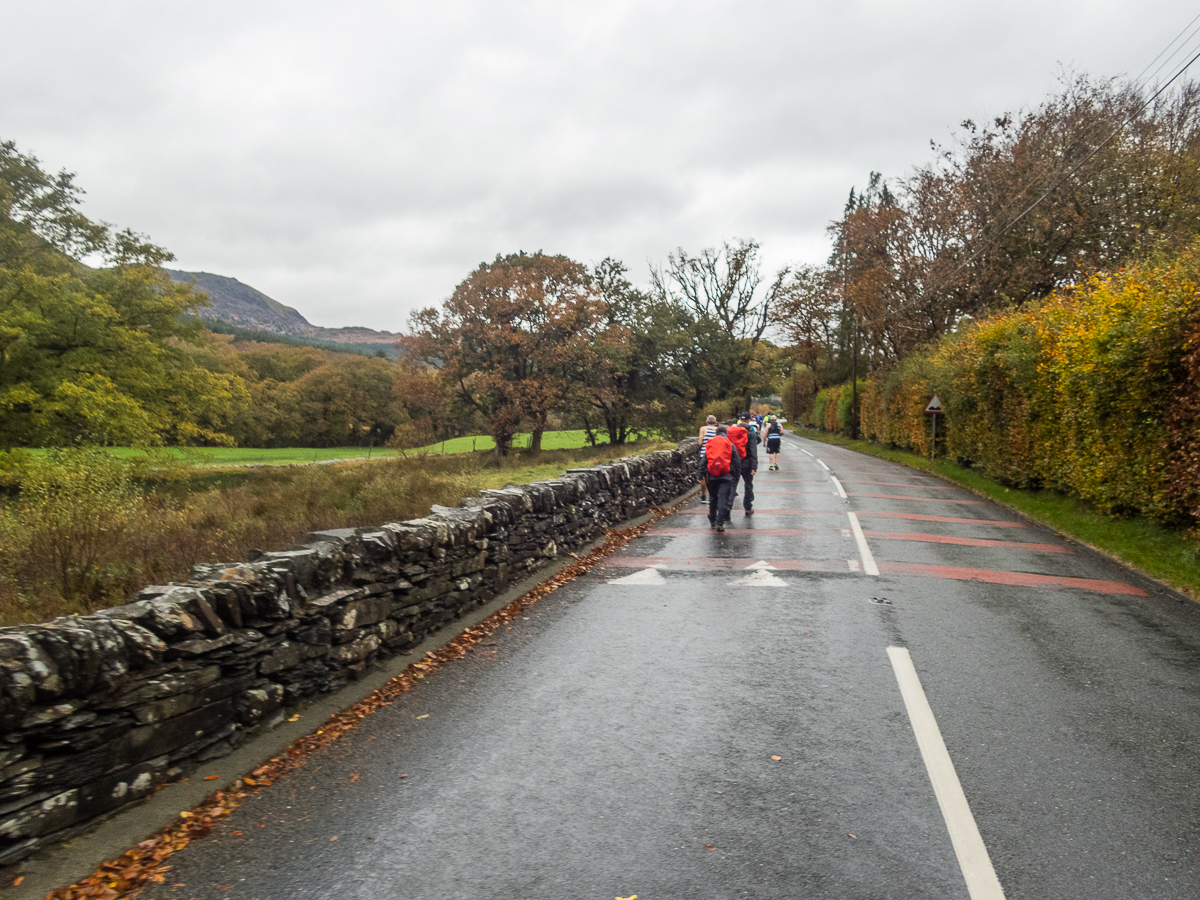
{"points": [[1093, 391]]}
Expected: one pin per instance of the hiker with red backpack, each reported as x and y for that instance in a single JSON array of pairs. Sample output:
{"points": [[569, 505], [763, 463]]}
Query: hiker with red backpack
{"points": [[722, 463], [745, 438]]}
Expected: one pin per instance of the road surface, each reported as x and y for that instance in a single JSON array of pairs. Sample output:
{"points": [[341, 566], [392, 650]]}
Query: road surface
{"points": [[758, 714]]}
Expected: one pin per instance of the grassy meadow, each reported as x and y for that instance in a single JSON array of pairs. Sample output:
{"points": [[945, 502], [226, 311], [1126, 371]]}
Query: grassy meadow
{"points": [[294, 456], [83, 529]]}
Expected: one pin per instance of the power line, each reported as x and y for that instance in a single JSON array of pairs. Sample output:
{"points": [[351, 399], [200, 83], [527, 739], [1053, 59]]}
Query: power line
{"points": [[1075, 168], [1136, 86], [1168, 47]]}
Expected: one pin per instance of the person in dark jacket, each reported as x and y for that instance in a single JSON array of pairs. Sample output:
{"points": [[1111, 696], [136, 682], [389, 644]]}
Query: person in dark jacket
{"points": [[749, 458], [721, 487]]}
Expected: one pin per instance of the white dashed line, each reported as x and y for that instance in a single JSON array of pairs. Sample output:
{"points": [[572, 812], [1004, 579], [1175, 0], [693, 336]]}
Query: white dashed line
{"points": [[868, 561], [973, 859], [821, 463], [837, 484]]}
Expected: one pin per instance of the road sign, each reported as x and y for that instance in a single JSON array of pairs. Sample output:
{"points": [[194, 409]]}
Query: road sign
{"points": [[934, 407]]}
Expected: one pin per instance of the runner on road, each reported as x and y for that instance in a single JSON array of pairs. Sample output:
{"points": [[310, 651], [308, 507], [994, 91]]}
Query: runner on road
{"points": [[774, 439]]}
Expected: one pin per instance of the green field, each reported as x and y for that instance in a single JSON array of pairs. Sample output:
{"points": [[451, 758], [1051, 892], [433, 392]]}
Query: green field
{"points": [[292, 456]]}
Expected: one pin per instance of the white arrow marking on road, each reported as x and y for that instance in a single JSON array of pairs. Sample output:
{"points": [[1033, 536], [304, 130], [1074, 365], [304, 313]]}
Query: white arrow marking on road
{"points": [[761, 564], [973, 859], [645, 576], [760, 578]]}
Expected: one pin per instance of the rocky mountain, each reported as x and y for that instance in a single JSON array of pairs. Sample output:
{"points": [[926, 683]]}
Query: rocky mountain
{"points": [[239, 304]]}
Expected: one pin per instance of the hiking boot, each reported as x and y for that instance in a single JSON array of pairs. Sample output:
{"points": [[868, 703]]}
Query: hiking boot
{"points": [[749, 512], [720, 526]]}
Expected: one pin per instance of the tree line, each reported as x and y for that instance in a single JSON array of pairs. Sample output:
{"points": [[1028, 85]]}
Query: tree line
{"points": [[116, 355], [530, 337], [964, 235]]}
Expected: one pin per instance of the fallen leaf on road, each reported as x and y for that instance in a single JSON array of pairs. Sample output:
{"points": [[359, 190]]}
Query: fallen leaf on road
{"points": [[20, 878], [237, 833], [223, 888], [295, 718], [710, 847], [334, 838], [776, 758], [404, 776], [634, 897], [426, 716], [354, 778], [855, 836], [211, 777]]}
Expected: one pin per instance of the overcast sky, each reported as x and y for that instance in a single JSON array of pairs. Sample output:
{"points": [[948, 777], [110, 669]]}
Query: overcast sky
{"points": [[355, 160]]}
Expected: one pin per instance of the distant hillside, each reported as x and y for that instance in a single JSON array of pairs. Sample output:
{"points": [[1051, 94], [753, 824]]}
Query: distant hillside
{"points": [[241, 305]]}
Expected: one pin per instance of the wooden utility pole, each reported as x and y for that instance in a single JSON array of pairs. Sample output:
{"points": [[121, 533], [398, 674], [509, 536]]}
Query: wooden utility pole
{"points": [[853, 344]]}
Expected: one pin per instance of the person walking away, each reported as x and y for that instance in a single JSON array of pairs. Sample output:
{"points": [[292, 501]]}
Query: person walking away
{"points": [[774, 439], [707, 430], [721, 462], [745, 437]]}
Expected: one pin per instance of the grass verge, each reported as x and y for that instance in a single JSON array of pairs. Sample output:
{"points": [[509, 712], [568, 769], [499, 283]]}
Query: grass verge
{"points": [[1169, 555]]}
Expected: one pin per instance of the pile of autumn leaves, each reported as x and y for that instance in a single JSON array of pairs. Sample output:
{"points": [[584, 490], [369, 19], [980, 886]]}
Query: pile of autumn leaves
{"points": [[1094, 392]]}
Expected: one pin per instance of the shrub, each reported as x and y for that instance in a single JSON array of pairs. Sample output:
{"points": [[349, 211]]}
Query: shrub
{"points": [[1092, 392]]}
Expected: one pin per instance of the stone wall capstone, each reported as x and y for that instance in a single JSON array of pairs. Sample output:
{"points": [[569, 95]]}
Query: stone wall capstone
{"points": [[97, 711]]}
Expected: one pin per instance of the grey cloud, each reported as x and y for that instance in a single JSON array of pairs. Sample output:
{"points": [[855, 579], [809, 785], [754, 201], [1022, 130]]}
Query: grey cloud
{"points": [[357, 160]]}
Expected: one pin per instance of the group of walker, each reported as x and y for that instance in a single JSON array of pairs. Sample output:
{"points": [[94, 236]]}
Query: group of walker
{"points": [[729, 454]]}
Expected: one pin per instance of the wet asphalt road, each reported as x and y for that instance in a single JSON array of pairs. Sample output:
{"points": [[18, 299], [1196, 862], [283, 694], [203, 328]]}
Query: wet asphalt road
{"points": [[622, 738]]}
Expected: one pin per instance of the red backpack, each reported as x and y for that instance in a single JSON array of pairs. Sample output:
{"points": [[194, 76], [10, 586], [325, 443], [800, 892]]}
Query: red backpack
{"points": [[740, 436], [718, 452]]}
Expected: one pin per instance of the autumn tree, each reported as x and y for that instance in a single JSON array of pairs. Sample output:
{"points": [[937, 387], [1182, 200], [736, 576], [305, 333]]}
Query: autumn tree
{"points": [[513, 340], [639, 383], [721, 292], [1089, 180]]}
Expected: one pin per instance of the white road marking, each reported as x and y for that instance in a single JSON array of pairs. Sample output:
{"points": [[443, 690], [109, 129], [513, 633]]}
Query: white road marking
{"points": [[761, 564], [973, 859], [821, 463], [837, 484], [868, 561], [760, 578], [645, 576], [805, 452]]}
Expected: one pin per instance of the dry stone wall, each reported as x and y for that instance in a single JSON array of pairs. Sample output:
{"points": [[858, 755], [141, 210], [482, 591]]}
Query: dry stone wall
{"points": [[96, 711]]}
